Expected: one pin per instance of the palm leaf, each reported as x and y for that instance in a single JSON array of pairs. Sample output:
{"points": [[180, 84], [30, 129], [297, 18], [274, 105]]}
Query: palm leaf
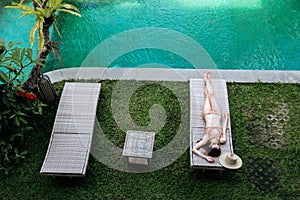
{"points": [[33, 29], [26, 13], [69, 6], [49, 12], [51, 3], [39, 2], [41, 39], [57, 1], [57, 30], [22, 7], [41, 12], [69, 11]]}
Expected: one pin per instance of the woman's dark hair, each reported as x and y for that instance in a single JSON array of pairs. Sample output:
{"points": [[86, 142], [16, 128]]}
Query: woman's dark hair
{"points": [[214, 152]]}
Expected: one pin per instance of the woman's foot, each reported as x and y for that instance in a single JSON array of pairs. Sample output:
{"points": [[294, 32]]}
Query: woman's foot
{"points": [[207, 75]]}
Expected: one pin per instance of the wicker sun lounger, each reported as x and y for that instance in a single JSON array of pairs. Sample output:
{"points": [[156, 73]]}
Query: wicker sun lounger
{"points": [[71, 138], [197, 124]]}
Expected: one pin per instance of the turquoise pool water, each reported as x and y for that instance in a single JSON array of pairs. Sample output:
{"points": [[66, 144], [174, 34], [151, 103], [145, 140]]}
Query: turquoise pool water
{"points": [[237, 34]]}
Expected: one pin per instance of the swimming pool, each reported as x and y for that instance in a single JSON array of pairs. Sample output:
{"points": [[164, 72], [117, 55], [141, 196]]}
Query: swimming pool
{"points": [[237, 34]]}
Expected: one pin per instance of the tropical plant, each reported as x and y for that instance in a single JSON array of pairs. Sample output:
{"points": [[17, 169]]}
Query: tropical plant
{"points": [[13, 61], [46, 12], [17, 107]]}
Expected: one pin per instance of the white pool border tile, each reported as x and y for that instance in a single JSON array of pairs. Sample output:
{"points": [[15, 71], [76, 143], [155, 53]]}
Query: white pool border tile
{"points": [[241, 76]]}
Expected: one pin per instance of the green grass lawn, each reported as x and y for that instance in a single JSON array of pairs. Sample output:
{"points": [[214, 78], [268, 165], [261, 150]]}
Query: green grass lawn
{"points": [[266, 135]]}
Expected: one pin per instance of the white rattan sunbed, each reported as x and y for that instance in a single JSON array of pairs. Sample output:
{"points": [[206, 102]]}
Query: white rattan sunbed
{"points": [[71, 138], [197, 124]]}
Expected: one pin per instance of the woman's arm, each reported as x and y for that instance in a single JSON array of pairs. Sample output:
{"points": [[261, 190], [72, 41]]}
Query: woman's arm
{"points": [[223, 135], [199, 153]]}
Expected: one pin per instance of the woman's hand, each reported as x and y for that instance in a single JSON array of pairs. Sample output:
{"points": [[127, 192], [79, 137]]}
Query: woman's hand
{"points": [[209, 159], [226, 114], [222, 140]]}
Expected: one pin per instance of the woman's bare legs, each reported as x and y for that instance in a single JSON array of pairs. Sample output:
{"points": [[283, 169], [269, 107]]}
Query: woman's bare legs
{"points": [[211, 105], [210, 102]]}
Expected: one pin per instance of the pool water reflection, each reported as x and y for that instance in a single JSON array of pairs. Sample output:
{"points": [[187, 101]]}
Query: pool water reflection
{"points": [[237, 34]]}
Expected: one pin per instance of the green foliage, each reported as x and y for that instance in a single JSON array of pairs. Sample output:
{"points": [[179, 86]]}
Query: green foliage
{"points": [[47, 9], [16, 106], [13, 61]]}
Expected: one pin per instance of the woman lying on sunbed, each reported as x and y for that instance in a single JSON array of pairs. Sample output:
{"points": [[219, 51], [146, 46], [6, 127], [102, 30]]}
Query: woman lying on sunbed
{"points": [[215, 134]]}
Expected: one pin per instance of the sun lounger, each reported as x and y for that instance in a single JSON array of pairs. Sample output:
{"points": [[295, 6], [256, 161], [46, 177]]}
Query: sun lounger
{"points": [[197, 124], [71, 138]]}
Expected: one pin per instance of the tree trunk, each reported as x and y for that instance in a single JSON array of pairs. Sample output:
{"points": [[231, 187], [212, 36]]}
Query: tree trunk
{"points": [[32, 81]]}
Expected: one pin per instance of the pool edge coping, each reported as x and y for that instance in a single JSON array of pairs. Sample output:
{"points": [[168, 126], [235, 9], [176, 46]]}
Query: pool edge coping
{"points": [[167, 74]]}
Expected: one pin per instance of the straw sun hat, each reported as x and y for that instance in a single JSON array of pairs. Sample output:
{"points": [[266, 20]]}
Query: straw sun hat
{"points": [[230, 161]]}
